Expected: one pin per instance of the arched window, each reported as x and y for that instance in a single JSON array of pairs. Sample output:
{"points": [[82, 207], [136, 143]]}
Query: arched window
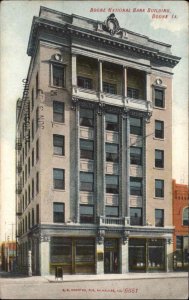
{"points": [[186, 216]]}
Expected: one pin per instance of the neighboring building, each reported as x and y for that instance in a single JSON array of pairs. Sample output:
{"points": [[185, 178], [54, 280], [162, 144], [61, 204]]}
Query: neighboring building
{"points": [[181, 223], [8, 255], [94, 140]]}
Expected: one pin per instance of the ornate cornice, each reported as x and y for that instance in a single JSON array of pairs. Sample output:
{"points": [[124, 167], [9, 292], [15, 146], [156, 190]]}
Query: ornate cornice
{"points": [[69, 30]]}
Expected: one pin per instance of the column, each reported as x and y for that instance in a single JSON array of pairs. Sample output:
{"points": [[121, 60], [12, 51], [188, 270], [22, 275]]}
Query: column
{"points": [[128, 166], [124, 81], [144, 172], [77, 164], [101, 160], [122, 165], [44, 255], [74, 70], [100, 252], [124, 253], [100, 76], [169, 254], [148, 87]]}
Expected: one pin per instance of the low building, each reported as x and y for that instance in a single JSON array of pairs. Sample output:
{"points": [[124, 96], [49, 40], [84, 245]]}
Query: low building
{"points": [[181, 223]]}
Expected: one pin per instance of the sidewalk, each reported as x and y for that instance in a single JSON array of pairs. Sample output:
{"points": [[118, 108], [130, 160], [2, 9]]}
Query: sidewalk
{"points": [[15, 277], [128, 276]]}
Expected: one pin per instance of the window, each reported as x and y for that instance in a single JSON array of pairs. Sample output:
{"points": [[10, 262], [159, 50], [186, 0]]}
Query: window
{"points": [[58, 111], [23, 204], [159, 217], [159, 158], [37, 150], [86, 213], [58, 178], [132, 93], [86, 181], [111, 211], [32, 99], [26, 173], [112, 123], [58, 144], [136, 156], [109, 88], [29, 194], [58, 212], [37, 182], [29, 221], [86, 149], [37, 84], [32, 217], [136, 186], [159, 188], [135, 216], [159, 129], [83, 82], [37, 213], [136, 126], [182, 246], [37, 118], [26, 199], [112, 184], [112, 152], [159, 98], [28, 166], [32, 130], [58, 75], [32, 188], [32, 157], [86, 117], [186, 216], [26, 223]]}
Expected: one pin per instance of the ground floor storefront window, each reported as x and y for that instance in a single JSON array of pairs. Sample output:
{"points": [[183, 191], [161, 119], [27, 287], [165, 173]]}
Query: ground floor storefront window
{"points": [[76, 256], [181, 255], [146, 254]]}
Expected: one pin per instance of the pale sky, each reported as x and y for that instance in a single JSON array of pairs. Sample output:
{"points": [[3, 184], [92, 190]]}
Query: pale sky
{"points": [[16, 20]]}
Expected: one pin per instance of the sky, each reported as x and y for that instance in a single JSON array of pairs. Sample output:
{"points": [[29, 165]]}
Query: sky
{"points": [[16, 19]]}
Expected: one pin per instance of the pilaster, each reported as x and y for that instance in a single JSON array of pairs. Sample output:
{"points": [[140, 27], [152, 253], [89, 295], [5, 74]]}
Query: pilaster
{"points": [[169, 254], [74, 70], [44, 244], [124, 252], [100, 252], [127, 166]]}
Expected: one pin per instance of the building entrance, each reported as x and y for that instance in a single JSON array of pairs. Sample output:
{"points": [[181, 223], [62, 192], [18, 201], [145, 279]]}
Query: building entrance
{"points": [[111, 256]]}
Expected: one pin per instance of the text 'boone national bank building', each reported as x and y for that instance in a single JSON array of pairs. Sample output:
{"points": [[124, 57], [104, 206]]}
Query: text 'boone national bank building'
{"points": [[93, 148]]}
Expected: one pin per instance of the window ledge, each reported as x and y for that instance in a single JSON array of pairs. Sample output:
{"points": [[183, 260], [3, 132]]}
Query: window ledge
{"points": [[160, 139], [161, 108], [57, 123], [158, 198], [158, 168], [58, 190], [57, 87], [58, 155]]}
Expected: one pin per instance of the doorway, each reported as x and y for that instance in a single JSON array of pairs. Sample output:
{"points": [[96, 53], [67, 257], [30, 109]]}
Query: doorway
{"points": [[111, 256]]}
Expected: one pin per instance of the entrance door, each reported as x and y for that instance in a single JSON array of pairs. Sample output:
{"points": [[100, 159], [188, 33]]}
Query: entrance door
{"points": [[111, 256]]}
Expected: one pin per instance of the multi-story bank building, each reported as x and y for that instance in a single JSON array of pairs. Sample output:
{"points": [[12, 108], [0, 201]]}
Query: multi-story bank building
{"points": [[94, 162]]}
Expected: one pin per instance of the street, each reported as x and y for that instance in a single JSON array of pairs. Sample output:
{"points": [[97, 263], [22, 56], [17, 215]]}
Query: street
{"points": [[135, 286]]}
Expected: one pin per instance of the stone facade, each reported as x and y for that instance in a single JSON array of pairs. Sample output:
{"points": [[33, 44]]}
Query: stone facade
{"points": [[120, 83]]}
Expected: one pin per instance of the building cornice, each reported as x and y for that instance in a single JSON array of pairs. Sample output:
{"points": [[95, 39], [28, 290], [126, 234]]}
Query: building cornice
{"points": [[70, 31]]}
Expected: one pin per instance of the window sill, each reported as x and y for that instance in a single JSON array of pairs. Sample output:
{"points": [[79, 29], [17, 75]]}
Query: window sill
{"points": [[158, 198], [57, 87], [161, 108], [159, 139], [58, 190], [57, 123], [158, 168], [58, 155]]}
